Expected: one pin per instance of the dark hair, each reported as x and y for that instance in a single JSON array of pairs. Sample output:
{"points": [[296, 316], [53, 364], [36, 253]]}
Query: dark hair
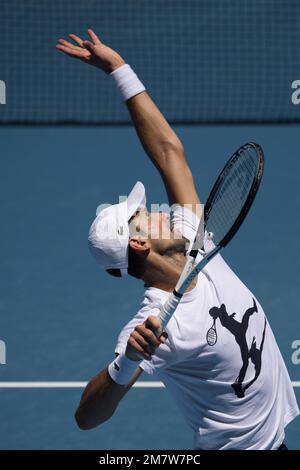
{"points": [[136, 265]]}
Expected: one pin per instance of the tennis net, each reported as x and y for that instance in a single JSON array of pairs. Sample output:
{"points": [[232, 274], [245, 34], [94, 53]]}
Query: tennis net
{"points": [[201, 60]]}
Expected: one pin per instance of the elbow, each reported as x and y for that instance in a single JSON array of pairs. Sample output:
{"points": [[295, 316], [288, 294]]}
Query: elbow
{"points": [[171, 154], [85, 423], [174, 161], [81, 421], [173, 148]]}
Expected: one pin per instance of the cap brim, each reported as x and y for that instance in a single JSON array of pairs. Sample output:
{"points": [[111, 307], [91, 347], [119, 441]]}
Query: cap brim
{"points": [[136, 199]]}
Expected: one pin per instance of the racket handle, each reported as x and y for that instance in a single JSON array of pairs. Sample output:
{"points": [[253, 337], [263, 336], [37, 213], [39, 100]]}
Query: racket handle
{"points": [[167, 310]]}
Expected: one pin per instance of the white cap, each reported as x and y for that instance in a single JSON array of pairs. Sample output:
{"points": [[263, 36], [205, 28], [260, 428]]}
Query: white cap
{"points": [[109, 233]]}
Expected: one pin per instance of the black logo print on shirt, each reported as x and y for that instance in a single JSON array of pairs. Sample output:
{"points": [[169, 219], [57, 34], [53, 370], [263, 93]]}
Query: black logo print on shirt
{"points": [[239, 329]]}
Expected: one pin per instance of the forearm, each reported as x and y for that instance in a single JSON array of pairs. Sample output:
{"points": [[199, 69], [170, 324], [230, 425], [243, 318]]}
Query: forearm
{"points": [[157, 137], [99, 401]]}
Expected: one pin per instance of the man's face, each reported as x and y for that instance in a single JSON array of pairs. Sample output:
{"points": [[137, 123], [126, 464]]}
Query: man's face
{"points": [[156, 228]]}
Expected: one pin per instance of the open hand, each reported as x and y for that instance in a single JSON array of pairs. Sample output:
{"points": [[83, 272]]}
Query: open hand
{"points": [[92, 52]]}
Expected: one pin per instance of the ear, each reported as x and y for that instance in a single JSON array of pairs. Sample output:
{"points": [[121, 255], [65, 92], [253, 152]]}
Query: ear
{"points": [[139, 245]]}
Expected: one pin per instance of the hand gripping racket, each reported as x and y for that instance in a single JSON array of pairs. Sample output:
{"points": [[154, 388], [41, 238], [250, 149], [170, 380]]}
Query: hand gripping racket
{"points": [[225, 210]]}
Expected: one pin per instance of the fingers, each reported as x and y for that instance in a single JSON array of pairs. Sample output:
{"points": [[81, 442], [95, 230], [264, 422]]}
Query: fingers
{"points": [[144, 339], [68, 46], [140, 345], [153, 323], [65, 43], [81, 50], [65, 49], [77, 39], [88, 45], [72, 52], [93, 37], [135, 345]]}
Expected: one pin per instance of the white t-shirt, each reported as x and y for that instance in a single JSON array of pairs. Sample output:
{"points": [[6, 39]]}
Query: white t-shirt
{"points": [[236, 394]]}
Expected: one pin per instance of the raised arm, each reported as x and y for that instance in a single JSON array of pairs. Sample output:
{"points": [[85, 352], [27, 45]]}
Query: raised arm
{"points": [[157, 137], [164, 149]]}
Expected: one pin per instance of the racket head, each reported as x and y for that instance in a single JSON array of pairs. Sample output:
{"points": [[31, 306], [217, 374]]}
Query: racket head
{"points": [[211, 336], [233, 193]]}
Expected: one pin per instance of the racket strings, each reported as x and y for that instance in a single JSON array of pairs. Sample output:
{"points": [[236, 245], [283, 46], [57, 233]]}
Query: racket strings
{"points": [[211, 336], [232, 193]]}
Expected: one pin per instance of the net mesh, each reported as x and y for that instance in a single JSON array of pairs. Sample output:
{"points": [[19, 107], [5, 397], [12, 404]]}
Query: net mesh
{"points": [[201, 60]]}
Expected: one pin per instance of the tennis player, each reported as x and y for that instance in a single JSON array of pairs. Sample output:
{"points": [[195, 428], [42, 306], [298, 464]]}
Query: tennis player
{"points": [[235, 394]]}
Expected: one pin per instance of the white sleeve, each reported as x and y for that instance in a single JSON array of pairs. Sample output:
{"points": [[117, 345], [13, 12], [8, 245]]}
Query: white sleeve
{"points": [[184, 221]]}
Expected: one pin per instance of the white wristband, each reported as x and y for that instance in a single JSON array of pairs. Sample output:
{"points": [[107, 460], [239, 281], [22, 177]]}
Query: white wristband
{"points": [[127, 82], [121, 369]]}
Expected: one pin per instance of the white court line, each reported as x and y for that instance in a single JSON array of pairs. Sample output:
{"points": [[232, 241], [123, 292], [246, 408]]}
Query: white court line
{"points": [[70, 384], [140, 384]]}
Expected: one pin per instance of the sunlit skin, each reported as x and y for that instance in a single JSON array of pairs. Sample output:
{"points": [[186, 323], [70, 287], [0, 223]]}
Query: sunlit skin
{"points": [[162, 249]]}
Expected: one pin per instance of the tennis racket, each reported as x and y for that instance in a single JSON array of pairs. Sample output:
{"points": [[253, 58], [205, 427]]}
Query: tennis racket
{"points": [[211, 335], [225, 210]]}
